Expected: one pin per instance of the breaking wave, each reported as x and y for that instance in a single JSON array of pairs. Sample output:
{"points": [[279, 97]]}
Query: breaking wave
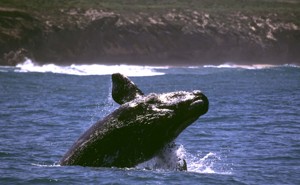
{"points": [[130, 70], [92, 69], [253, 66]]}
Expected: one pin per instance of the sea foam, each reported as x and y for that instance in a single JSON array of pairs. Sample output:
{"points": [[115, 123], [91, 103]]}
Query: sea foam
{"points": [[92, 69], [210, 163], [230, 65], [250, 66]]}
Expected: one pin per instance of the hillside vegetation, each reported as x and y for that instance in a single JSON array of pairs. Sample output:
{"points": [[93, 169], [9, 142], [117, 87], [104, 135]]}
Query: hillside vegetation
{"points": [[132, 31]]}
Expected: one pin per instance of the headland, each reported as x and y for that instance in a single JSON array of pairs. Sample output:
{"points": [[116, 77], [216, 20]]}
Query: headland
{"points": [[168, 32]]}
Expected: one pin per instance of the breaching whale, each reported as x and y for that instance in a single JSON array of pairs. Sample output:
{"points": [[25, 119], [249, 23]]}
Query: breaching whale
{"points": [[139, 129]]}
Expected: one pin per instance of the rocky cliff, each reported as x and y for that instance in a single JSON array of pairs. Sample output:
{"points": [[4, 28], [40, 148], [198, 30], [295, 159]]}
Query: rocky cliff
{"points": [[169, 37]]}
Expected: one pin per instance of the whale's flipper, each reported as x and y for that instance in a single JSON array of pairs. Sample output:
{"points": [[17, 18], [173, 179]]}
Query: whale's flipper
{"points": [[123, 89]]}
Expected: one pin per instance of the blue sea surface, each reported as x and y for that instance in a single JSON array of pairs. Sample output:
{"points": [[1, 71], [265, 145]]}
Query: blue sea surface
{"points": [[250, 135]]}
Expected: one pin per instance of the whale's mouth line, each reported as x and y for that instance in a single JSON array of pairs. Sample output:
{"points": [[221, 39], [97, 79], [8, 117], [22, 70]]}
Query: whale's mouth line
{"points": [[200, 103], [197, 101], [199, 98]]}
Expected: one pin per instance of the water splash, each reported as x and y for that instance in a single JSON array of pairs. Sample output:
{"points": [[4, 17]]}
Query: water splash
{"points": [[171, 159], [93, 69], [204, 164]]}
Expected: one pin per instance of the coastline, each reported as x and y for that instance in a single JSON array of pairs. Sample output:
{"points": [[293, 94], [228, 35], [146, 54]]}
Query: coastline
{"points": [[168, 35]]}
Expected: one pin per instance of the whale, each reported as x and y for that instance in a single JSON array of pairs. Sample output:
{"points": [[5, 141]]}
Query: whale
{"points": [[139, 129]]}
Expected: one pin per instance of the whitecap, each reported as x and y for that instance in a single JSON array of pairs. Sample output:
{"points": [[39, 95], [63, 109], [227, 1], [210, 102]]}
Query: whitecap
{"points": [[91, 69], [46, 165], [231, 65]]}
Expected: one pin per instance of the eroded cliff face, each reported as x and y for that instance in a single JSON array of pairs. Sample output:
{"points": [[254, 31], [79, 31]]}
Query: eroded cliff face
{"points": [[173, 37]]}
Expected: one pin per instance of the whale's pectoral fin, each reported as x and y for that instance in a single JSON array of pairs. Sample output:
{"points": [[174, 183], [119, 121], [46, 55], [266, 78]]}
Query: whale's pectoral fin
{"points": [[123, 89]]}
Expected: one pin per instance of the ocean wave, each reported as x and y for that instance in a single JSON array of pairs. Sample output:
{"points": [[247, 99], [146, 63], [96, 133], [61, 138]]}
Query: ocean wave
{"points": [[128, 70], [252, 66], [46, 165], [92, 69]]}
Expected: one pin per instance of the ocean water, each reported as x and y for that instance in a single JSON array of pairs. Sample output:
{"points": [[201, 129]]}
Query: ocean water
{"points": [[250, 135]]}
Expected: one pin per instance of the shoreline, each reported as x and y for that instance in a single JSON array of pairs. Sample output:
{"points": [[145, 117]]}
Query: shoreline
{"points": [[167, 35]]}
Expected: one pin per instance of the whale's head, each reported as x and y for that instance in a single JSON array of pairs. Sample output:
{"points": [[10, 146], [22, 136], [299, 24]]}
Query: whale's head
{"points": [[158, 115], [173, 111], [183, 103]]}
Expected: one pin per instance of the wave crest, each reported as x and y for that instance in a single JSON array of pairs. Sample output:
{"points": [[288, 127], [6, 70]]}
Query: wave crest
{"points": [[252, 66], [93, 69], [228, 65]]}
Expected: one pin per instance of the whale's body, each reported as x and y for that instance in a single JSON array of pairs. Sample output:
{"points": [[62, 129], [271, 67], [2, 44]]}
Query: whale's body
{"points": [[139, 129]]}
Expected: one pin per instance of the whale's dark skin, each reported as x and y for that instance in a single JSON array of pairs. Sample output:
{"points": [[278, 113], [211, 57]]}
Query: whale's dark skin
{"points": [[123, 89], [138, 130]]}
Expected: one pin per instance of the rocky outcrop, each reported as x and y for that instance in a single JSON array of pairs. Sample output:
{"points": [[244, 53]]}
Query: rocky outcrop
{"points": [[14, 57], [18, 30], [172, 37]]}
